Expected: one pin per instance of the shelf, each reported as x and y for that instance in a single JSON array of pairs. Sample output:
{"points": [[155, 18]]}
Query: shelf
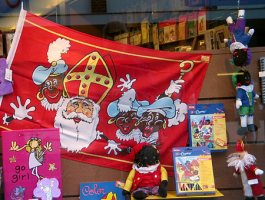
{"points": [[172, 195]]}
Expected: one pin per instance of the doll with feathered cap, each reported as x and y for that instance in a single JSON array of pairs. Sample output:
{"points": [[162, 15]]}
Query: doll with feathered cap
{"points": [[245, 100], [147, 176], [240, 39], [245, 166]]}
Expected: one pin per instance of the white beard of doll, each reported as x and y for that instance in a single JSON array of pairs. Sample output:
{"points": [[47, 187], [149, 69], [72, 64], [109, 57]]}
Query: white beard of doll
{"points": [[240, 160]]}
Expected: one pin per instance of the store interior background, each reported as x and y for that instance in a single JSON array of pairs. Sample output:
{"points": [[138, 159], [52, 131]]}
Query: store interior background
{"points": [[93, 16]]}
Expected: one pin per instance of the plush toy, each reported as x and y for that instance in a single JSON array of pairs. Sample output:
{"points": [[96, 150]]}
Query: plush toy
{"points": [[147, 176], [244, 164], [238, 44], [245, 97]]}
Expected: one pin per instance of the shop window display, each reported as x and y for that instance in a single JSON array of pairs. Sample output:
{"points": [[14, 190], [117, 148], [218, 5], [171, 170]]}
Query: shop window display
{"points": [[189, 27]]}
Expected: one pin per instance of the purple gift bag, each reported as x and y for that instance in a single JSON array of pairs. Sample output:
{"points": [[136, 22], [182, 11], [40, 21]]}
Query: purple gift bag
{"points": [[5, 85]]}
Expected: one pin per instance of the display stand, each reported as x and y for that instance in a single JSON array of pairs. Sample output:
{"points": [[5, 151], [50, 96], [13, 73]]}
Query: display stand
{"points": [[172, 195]]}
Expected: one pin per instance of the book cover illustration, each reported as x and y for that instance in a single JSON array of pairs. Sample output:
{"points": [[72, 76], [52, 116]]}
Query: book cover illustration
{"points": [[207, 126], [122, 38], [168, 30], [155, 36], [101, 191], [202, 22], [145, 31], [193, 171], [182, 27], [32, 164], [192, 25]]}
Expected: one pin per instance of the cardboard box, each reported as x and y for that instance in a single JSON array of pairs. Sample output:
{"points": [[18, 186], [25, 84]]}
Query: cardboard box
{"points": [[155, 36], [161, 35], [168, 31], [210, 40], [192, 25], [182, 27], [135, 38], [122, 38], [221, 32], [202, 22], [145, 32]]}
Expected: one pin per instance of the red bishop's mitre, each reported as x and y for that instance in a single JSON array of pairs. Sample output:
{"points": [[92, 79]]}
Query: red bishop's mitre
{"points": [[240, 147], [91, 77]]}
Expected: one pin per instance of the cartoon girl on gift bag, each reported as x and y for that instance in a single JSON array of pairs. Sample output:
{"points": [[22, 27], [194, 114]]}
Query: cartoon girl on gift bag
{"points": [[36, 153]]}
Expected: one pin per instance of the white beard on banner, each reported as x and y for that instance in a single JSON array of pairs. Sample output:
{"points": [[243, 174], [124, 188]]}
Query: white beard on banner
{"points": [[76, 136]]}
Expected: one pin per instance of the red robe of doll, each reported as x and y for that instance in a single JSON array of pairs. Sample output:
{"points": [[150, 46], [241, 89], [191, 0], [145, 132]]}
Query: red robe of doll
{"points": [[145, 177], [251, 181]]}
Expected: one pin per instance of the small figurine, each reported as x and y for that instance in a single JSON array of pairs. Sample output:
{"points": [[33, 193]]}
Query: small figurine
{"points": [[245, 97], [147, 176], [244, 164], [238, 44]]}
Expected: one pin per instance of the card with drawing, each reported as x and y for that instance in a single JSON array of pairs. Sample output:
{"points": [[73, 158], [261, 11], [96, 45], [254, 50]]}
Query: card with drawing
{"points": [[193, 171], [207, 126]]}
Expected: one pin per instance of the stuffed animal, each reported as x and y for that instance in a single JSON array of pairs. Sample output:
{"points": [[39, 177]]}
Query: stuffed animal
{"points": [[245, 97], [238, 44], [244, 164], [147, 176]]}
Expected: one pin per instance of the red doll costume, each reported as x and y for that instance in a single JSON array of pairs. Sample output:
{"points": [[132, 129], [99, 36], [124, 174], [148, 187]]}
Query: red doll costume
{"points": [[147, 176], [244, 164]]}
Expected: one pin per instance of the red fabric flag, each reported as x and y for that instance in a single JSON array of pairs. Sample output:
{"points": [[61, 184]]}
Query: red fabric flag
{"points": [[105, 97]]}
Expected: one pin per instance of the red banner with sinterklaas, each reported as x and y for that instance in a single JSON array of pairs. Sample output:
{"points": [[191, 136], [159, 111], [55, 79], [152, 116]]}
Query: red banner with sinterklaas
{"points": [[105, 97]]}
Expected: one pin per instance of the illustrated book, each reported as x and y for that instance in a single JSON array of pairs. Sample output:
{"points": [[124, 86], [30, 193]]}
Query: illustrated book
{"points": [[193, 171]]}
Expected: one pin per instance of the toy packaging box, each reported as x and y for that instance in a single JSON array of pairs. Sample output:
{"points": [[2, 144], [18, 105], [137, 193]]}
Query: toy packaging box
{"points": [[100, 191], [207, 126], [193, 171]]}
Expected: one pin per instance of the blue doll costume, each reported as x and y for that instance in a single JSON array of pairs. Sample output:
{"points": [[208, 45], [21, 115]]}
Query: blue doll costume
{"points": [[239, 41]]}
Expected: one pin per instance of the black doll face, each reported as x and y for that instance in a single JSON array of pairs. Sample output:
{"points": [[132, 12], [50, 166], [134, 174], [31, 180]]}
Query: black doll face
{"points": [[244, 78], [240, 57], [148, 156]]}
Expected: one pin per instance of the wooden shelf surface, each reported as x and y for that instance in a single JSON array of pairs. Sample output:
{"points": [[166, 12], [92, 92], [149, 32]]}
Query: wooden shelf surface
{"points": [[172, 195]]}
